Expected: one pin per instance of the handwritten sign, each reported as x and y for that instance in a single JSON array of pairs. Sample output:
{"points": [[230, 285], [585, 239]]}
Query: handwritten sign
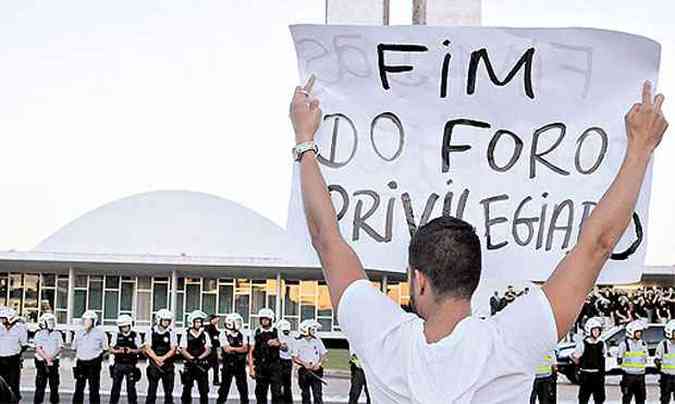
{"points": [[517, 131]]}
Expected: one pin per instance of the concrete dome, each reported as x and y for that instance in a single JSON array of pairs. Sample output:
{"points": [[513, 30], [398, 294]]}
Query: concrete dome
{"points": [[171, 223]]}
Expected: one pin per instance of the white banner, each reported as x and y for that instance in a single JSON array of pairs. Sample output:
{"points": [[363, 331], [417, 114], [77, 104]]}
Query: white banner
{"points": [[517, 131]]}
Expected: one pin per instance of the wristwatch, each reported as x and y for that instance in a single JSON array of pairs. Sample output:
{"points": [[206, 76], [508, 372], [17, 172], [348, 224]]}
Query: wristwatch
{"points": [[300, 149]]}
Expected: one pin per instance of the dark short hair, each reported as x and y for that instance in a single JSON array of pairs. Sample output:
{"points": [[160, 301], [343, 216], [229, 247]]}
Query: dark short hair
{"points": [[447, 251]]}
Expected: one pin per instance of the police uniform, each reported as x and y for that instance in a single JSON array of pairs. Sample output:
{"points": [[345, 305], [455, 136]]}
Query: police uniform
{"points": [[214, 334], [124, 366], [89, 346], [665, 354], [12, 342], [267, 365], [545, 387], [591, 353], [234, 366], [51, 342], [633, 355], [310, 350], [286, 367], [358, 380], [161, 341], [196, 370]]}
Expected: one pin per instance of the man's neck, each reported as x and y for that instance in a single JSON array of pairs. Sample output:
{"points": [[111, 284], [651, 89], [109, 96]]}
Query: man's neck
{"points": [[444, 317]]}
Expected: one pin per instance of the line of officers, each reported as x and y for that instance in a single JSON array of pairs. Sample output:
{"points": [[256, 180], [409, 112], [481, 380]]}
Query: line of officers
{"points": [[270, 355], [589, 355]]}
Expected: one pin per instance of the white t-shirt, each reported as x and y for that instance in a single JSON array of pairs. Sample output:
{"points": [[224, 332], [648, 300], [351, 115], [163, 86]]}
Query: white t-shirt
{"points": [[483, 361]]}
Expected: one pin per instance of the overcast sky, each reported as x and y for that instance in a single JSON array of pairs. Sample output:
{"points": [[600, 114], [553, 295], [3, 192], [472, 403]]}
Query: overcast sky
{"points": [[102, 100]]}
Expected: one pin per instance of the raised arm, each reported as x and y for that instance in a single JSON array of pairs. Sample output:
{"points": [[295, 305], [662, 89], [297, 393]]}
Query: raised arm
{"points": [[340, 264], [576, 274]]}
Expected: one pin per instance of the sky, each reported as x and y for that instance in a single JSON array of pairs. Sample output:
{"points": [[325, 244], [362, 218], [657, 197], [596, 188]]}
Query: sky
{"points": [[102, 100]]}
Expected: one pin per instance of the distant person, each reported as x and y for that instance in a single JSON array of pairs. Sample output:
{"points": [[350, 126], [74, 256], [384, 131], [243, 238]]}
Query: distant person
{"points": [[665, 363], [195, 347], [494, 303], [126, 346], [211, 328], [310, 354], [234, 345], [589, 355], [544, 389], [48, 346], [90, 343], [263, 359], [13, 340], [285, 352], [632, 358], [358, 380], [408, 355], [160, 347]]}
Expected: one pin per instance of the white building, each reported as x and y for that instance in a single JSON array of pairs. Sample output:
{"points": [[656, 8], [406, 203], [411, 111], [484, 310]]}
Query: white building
{"points": [[169, 249], [182, 251]]}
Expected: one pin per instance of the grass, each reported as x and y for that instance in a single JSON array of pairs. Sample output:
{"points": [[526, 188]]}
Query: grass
{"points": [[338, 359]]}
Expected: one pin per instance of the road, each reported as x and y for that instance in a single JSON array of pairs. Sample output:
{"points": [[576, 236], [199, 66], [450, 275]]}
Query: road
{"points": [[335, 392]]}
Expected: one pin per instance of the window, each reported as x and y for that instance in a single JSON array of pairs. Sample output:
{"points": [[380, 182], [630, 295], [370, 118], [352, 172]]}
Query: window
{"points": [[127, 295], [242, 295], [225, 298]]}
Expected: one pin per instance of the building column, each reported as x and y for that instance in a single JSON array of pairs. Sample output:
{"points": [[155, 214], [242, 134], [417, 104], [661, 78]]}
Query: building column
{"points": [[70, 301], [173, 288], [374, 12], [385, 284], [447, 12], [277, 303]]}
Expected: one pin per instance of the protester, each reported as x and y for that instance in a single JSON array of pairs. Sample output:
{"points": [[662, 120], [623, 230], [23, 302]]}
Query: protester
{"points": [[160, 348], [310, 354], [406, 356], [48, 345], [235, 349], [90, 343], [126, 346]]}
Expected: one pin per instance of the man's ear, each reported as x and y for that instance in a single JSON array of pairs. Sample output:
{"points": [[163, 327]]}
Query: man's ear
{"points": [[420, 282]]}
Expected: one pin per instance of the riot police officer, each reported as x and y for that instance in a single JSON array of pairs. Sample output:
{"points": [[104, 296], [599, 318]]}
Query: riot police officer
{"points": [[48, 345], [310, 353], [263, 359], [665, 362], [211, 328], [285, 354], [13, 339], [358, 380], [589, 355], [235, 348], [126, 345], [545, 382], [195, 348], [160, 348], [90, 343], [633, 360]]}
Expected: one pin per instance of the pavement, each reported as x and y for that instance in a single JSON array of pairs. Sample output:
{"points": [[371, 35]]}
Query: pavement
{"points": [[336, 392]]}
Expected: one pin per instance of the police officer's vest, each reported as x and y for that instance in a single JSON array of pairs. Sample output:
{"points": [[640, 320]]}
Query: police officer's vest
{"points": [[634, 362], [161, 343], [126, 341], [196, 345], [545, 369], [593, 357], [235, 341], [668, 360], [263, 354]]}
